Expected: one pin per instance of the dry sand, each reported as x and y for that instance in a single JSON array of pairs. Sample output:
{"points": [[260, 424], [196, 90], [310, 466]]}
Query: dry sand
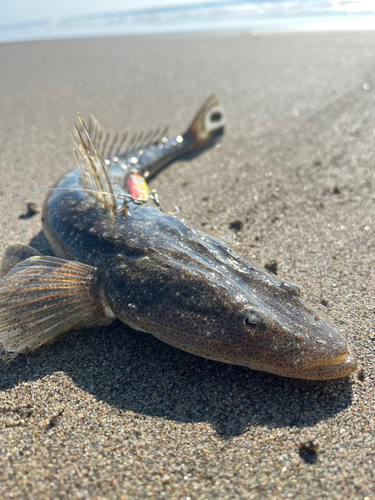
{"points": [[114, 413]]}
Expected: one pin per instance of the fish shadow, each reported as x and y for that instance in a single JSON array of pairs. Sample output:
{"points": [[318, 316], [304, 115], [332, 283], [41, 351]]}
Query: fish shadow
{"points": [[133, 371], [40, 242]]}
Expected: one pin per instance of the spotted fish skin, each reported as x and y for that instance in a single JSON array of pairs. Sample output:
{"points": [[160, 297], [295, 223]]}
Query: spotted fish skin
{"points": [[160, 275]]}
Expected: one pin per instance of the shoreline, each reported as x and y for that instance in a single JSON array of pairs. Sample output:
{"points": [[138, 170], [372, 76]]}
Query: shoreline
{"points": [[195, 19]]}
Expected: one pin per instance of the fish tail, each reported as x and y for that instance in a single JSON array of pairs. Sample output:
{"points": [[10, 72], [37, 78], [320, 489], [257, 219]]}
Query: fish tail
{"points": [[208, 123]]}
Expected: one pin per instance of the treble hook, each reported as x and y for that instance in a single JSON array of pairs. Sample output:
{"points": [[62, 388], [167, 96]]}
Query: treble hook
{"points": [[127, 198], [154, 195]]}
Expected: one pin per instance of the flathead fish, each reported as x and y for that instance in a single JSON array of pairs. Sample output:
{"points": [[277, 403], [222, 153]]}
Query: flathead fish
{"points": [[119, 257]]}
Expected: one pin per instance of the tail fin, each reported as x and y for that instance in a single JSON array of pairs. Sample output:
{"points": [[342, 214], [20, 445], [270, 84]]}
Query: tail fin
{"points": [[208, 123]]}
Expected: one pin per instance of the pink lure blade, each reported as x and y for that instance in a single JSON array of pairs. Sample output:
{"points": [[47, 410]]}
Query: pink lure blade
{"points": [[137, 187]]}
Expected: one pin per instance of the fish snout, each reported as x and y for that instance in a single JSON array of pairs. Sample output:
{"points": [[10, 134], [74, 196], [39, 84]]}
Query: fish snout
{"points": [[335, 366], [324, 351]]}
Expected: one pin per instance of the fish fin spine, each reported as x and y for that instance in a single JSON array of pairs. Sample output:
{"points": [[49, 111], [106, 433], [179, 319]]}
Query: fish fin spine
{"points": [[92, 168], [110, 145]]}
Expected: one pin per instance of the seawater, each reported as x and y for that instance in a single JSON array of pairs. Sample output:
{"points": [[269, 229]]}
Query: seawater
{"points": [[235, 15]]}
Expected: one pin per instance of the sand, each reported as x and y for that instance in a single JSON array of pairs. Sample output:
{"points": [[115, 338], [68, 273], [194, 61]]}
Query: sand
{"points": [[114, 413]]}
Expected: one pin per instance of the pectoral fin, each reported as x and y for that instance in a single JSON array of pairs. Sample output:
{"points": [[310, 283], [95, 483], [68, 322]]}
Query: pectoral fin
{"points": [[14, 254], [43, 297]]}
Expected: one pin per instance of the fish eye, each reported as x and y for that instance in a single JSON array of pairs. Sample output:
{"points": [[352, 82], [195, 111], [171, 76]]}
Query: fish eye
{"points": [[253, 321], [215, 117], [248, 322]]}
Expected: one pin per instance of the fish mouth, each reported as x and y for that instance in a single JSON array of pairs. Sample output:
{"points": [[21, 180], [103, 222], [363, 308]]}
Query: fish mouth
{"points": [[336, 367], [338, 360]]}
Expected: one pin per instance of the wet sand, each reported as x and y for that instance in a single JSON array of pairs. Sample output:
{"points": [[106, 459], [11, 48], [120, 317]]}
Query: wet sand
{"points": [[114, 413]]}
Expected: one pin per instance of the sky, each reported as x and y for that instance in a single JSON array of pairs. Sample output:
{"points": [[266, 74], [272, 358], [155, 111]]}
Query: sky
{"points": [[15, 11]]}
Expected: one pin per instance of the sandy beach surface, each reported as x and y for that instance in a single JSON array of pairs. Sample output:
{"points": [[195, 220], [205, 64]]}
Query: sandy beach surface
{"points": [[115, 413]]}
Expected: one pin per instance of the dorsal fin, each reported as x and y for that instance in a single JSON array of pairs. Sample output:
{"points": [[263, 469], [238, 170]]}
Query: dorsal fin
{"points": [[109, 145], [92, 168]]}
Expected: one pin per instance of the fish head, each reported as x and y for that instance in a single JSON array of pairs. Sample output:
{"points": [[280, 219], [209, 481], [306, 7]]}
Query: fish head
{"points": [[286, 336], [193, 292]]}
